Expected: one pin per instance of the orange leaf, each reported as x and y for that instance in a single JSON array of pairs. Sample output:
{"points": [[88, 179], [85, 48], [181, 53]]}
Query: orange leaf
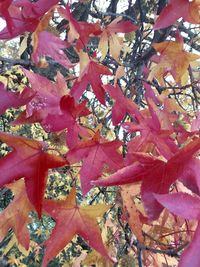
{"points": [[15, 216], [173, 59], [72, 219], [127, 194]]}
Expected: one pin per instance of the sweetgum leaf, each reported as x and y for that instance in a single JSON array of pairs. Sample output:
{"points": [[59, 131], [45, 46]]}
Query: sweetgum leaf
{"points": [[156, 175], [51, 46], [109, 39], [91, 74], [68, 119], [118, 25], [79, 30], [173, 59], [10, 99], [188, 207], [191, 255], [191, 176], [46, 100], [188, 10], [28, 160], [72, 219], [18, 23], [181, 204], [22, 16], [95, 154], [16, 215], [131, 211], [4, 12], [122, 104], [35, 9], [153, 130]]}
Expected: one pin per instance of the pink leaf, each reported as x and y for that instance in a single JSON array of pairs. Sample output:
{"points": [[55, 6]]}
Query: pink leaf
{"points": [[181, 204], [51, 46], [10, 99], [191, 255], [122, 104]]}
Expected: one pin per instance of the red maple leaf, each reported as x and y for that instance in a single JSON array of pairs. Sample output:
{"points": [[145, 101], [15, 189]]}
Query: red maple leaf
{"points": [[10, 99], [72, 219], [122, 105], [46, 100], [91, 74], [188, 10], [71, 111], [95, 154], [51, 46], [28, 159], [22, 16], [155, 128], [79, 31], [156, 175]]}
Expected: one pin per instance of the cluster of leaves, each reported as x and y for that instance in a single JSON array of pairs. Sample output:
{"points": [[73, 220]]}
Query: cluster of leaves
{"points": [[103, 133]]}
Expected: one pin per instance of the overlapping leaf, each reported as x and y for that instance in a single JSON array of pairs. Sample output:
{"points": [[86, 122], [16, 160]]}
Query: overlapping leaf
{"points": [[22, 16], [90, 74], [46, 100], [156, 175], [188, 207], [110, 40], [79, 31], [96, 153], [71, 111], [51, 46], [154, 129]]}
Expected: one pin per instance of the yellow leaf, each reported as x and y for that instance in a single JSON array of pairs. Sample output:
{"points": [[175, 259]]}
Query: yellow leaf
{"points": [[10, 244], [84, 60], [103, 45], [23, 44], [173, 59], [94, 258], [38, 232], [13, 260], [115, 44], [3, 80]]}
